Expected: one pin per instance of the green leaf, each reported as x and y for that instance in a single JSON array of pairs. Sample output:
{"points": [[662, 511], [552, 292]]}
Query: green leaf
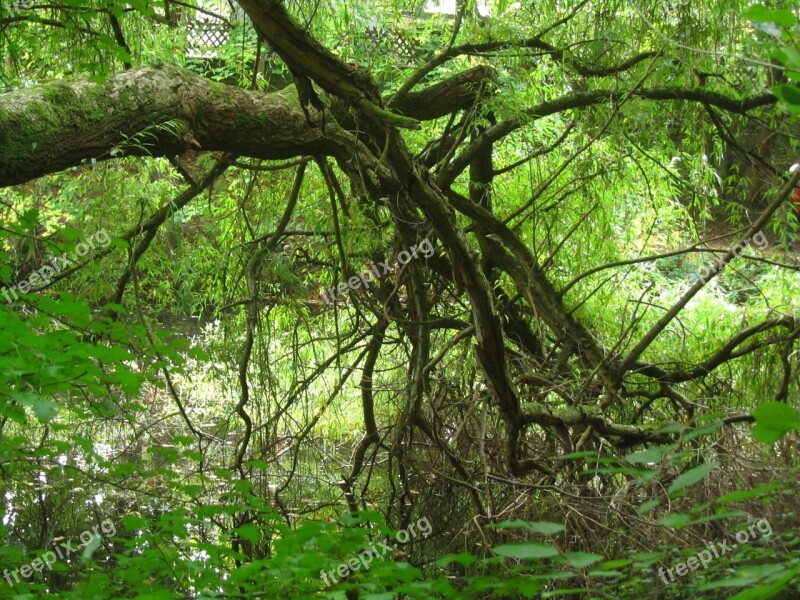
{"points": [[645, 559], [649, 455], [361, 517], [762, 592], [675, 520], [526, 550], [756, 492], [762, 14], [790, 94], [613, 564], [66, 307], [788, 55], [648, 506], [543, 527], [773, 421], [44, 409], [463, 559], [578, 592], [70, 234], [704, 430], [516, 524], [584, 454], [691, 477], [672, 428], [582, 559], [601, 573], [117, 308], [639, 471], [249, 532], [546, 528], [722, 514], [91, 546]]}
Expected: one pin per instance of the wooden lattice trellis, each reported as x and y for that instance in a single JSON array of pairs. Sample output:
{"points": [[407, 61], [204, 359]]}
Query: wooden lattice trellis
{"points": [[395, 42], [203, 37]]}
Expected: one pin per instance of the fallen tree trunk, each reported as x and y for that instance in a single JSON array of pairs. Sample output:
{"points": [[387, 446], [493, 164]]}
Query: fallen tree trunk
{"points": [[153, 111]]}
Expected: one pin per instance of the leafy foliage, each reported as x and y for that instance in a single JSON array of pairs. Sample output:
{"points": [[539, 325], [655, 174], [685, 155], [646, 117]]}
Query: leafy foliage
{"points": [[190, 384]]}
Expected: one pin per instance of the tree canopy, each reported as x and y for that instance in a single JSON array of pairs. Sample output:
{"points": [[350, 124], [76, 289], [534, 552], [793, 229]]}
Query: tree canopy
{"points": [[284, 279]]}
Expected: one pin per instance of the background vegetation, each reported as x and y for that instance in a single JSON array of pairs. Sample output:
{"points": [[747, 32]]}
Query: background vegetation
{"points": [[555, 390]]}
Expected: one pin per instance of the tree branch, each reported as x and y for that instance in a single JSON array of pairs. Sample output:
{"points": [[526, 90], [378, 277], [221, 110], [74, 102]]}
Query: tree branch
{"points": [[149, 112], [586, 99]]}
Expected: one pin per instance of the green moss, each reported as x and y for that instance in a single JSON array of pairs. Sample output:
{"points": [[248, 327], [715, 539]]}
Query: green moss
{"points": [[44, 111], [244, 120], [289, 96], [218, 89], [59, 94]]}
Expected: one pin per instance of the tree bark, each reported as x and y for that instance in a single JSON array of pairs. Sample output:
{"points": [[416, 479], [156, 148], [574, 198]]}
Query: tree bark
{"points": [[153, 111], [164, 111]]}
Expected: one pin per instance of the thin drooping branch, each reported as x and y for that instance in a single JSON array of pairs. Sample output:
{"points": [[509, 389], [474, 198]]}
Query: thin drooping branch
{"points": [[722, 355], [158, 219], [593, 98], [540, 152], [455, 462], [368, 407], [522, 266], [651, 335], [631, 261], [252, 308], [728, 137], [244, 385], [198, 433], [533, 44], [404, 179], [152, 224], [270, 168], [49, 22], [119, 37]]}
